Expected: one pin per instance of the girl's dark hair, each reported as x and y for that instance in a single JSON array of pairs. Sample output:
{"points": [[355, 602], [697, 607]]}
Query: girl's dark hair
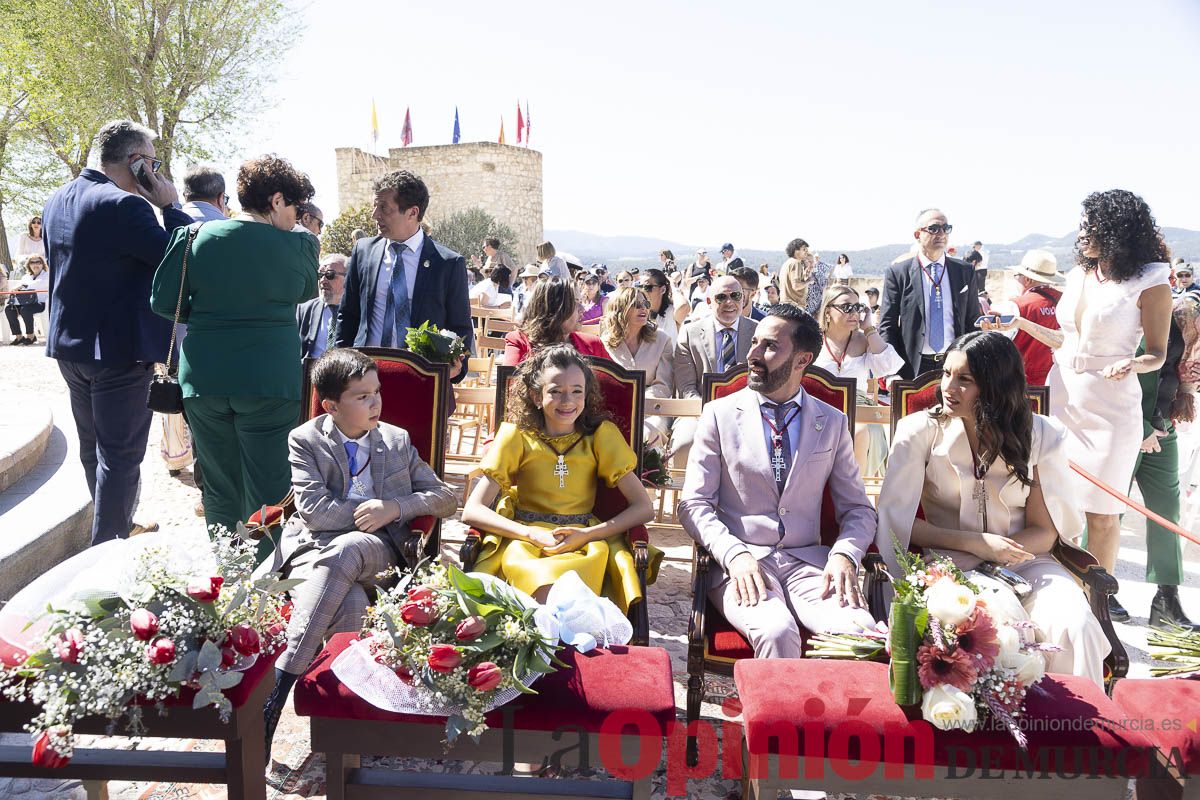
{"points": [[526, 383], [660, 279], [1121, 224], [550, 305], [501, 276], [260, 178], [1003, 419]]}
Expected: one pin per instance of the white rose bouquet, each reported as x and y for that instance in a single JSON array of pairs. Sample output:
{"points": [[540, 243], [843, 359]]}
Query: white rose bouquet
{"points": [[958, 650]]}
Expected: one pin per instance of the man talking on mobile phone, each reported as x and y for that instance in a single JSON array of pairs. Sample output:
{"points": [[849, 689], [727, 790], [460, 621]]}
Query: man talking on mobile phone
{"points": [[103, 243]]}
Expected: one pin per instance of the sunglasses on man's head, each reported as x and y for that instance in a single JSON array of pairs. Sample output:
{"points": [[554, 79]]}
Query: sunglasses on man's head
{"points": [[850, 308], [328, 274], [937, 228], [723, 297]]}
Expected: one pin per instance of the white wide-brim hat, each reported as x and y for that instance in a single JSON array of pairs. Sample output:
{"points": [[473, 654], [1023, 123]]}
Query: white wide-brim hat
{"points": [[1039, 265]]}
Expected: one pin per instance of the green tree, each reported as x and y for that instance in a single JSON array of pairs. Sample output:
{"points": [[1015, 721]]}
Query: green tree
{"points": [[337, 238], [464, 231]]}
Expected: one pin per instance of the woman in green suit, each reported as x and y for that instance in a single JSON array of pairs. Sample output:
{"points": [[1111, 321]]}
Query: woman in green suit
{"points": [[239, 361]]}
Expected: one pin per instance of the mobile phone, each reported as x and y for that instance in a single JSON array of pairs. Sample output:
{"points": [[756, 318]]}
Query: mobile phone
{"points": [[1020, 586], [1003, 319], [144, 176]]}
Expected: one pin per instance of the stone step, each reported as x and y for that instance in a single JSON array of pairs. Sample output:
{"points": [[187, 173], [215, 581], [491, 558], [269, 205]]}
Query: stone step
{"points": [[46, 514], [23, 438]]}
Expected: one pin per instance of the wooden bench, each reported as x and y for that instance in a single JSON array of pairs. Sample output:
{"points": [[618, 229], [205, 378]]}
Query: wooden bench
{"points": [[837, 729], [574, 701], [241, 768]]}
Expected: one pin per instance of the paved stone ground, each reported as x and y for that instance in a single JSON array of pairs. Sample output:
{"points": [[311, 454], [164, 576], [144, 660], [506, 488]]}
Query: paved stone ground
{"points": [[27, 377]]}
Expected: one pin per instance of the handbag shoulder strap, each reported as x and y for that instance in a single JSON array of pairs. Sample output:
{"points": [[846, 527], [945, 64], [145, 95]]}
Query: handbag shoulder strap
{"points": [[187, 248]]}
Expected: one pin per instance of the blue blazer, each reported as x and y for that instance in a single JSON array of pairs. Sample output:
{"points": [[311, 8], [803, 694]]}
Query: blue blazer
{"points": [[439, 294], [103, 245]]}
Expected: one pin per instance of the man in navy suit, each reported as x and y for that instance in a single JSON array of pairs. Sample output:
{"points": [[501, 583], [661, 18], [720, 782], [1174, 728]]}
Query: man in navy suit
{"points": [[928, 300], [103, 243], [402, 277]]}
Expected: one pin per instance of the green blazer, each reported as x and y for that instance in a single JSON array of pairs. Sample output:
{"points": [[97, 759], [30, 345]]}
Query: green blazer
{"points": [[244, 280]]}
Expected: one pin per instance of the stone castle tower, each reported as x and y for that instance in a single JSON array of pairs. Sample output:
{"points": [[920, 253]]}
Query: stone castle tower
{"points": [[503, 180]]}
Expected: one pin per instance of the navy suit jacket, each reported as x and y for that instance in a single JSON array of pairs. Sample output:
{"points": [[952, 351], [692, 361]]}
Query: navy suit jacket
{"points": [[308, 318], [902, 307], [103, 245], [439, 294]]}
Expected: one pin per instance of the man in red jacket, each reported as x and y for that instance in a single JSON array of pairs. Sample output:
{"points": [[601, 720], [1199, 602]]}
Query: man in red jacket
{"points": [[1038, 274]]}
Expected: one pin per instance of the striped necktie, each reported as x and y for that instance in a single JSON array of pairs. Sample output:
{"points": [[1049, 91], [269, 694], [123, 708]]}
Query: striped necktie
{"points": [[728, 352]]}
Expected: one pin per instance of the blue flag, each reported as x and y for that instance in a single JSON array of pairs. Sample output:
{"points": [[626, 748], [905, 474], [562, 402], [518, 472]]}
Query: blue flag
{"points": [[457, 132]]}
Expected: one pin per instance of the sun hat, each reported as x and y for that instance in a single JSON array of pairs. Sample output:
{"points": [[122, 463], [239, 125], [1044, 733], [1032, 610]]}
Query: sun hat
{"points": [[1039, 265]]}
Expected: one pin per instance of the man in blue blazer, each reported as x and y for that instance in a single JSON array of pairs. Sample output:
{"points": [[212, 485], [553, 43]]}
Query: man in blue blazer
{"points": [[402, 277], [103, 243]]}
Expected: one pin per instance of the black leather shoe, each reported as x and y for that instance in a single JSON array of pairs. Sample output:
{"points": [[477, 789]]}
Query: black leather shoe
{"points": [[273, 708], [1166, 613], [1116, 611]]}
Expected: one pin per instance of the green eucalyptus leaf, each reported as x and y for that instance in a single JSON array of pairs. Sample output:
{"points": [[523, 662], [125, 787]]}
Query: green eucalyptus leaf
{"points": [[210, 657]]}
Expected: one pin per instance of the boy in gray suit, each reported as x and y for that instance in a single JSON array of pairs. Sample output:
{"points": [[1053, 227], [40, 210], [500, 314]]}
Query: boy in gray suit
{"points": [[357, 483]]}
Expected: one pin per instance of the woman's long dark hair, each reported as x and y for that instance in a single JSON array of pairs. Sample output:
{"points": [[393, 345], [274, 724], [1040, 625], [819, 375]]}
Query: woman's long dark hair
{"points": [[660, 279], [550, 305], [1003, 419], [526, 382], [1121, 224]]}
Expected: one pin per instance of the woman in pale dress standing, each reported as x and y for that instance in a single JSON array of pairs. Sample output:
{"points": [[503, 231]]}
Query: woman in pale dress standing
{"points": [[634, 342], [851, 347], [1120, 292]]}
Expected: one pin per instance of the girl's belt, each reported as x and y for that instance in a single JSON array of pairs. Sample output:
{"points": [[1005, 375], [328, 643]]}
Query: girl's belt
{"points": [[554, 519]]}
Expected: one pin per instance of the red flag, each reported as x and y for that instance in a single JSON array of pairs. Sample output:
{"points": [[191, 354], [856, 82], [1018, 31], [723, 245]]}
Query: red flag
{"points": [[501, 140], [406, 134], [528, 124], [520, 123]]}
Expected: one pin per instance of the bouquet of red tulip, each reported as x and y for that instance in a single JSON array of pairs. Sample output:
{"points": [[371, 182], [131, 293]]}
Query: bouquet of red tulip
{"points": [[132, 622], [446, 643]]}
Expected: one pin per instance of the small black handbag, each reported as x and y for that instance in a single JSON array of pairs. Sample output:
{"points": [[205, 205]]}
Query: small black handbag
{"points": [[166, 395]]}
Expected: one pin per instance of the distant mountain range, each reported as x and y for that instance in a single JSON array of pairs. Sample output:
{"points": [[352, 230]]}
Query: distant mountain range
{"points": [[621, 252]]}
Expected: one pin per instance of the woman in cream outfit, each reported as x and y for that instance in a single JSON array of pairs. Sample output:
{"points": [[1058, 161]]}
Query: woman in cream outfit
{"points": [[634, 343], [984, 436], [1120, 292]]}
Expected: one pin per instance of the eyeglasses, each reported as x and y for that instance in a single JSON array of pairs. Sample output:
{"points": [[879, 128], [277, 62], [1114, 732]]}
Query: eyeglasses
{"points": [[225, 200], [1183, 274], [650, 287], [722, 297], [640, 303], [937, 228], [850, 308], [155, 164], [330, 275], [624, 281]]}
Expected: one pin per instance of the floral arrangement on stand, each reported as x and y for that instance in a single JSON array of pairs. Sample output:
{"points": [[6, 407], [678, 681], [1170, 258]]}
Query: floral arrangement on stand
{"points": [[959, 651], [452, 644], [160, 628], [654, 468]]}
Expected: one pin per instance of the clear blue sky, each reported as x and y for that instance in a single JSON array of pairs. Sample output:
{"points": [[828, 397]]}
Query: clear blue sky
{"points": [[756, 122]]}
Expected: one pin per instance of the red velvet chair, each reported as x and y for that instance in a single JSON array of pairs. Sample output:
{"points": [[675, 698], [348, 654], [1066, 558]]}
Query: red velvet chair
{"points": [[921, 393], [624, 396], [416, 397], [714, 645]]}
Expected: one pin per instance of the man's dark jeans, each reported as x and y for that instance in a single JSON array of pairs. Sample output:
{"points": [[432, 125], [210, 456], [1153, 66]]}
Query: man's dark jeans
{"points": [[113, 422]]}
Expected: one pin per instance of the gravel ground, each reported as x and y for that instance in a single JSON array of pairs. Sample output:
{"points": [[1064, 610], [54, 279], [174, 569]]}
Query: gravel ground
{"points": [[27, 377]]}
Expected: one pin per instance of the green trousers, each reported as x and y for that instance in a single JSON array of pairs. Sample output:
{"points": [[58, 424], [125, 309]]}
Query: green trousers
{"points": [[1157, 476], [242, 446]]}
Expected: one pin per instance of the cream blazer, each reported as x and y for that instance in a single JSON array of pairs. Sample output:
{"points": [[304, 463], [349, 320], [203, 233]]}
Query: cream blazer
{"points": [[655, 358], [931, 465]]}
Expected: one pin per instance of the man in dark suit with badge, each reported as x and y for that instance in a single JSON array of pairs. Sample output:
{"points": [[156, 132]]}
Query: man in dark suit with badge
{"points": [[928, 300], [402, 277]]}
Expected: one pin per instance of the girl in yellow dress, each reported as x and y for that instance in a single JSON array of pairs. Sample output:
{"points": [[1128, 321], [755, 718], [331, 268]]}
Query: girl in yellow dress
{"points": [[541, 476]]}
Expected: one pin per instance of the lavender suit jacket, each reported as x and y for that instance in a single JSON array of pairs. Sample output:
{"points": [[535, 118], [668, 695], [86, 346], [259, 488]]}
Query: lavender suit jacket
{"points": [[730, 503]]}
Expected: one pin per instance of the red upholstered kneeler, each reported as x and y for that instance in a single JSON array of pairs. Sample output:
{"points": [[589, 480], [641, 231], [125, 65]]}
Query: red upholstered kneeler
{"points": [[851, 737], [1168, 711], [574, 701], [242, 767]]}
